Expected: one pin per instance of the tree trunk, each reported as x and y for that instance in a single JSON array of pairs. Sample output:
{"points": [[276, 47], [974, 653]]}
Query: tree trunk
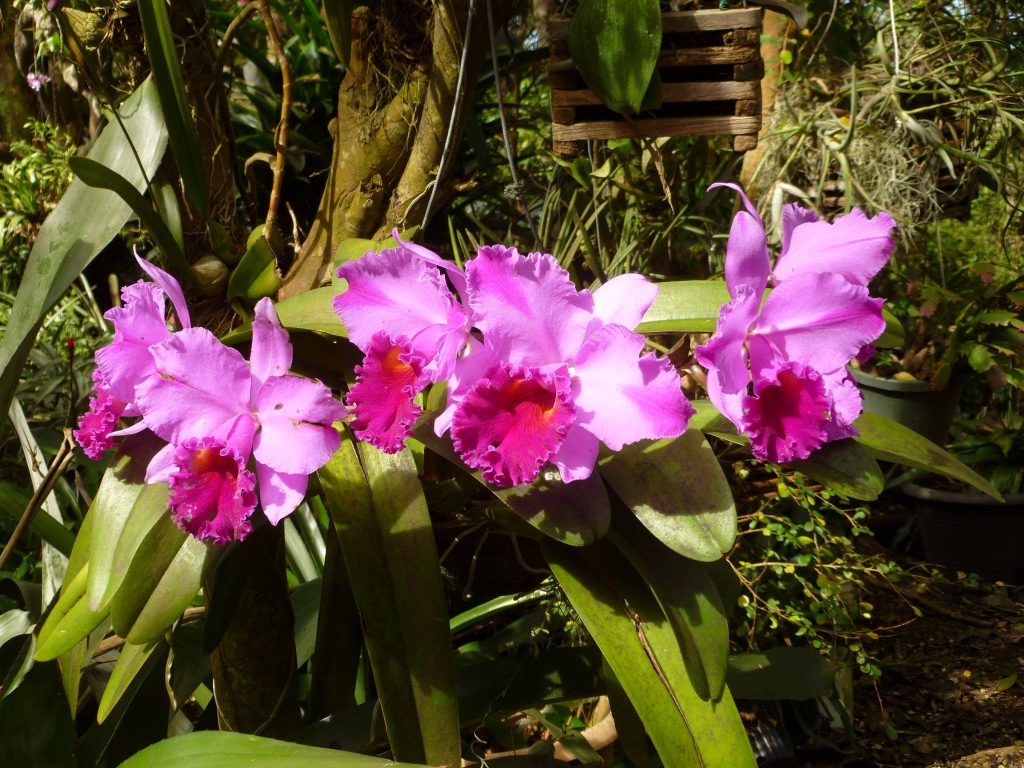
{"points": [[17, 101]]}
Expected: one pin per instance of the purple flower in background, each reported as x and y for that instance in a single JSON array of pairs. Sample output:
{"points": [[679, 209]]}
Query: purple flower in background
{"points": [[778, 370], [216, 412], [566, 371], [36, 80]]}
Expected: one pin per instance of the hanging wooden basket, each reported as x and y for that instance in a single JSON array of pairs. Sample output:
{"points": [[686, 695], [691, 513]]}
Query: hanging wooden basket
{"points": [[710, 67]]}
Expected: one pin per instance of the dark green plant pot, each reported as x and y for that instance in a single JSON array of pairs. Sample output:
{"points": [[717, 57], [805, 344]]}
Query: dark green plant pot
{"points": [[971, 532], [913, 404]]}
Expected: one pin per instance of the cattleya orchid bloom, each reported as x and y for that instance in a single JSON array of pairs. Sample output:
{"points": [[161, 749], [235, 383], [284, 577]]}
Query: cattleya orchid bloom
{"points": [[557, 370], [777, 370], [215, 411]]}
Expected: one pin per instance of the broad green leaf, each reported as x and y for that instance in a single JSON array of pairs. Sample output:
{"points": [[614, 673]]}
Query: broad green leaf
{"points": [[846, 467], [383, 526], [305, 600], [129, 664], [707, 418], [781, 673], [309, 311], [678, 491], [223, 749], [81, 225], [889, 441], [632, 733], [36, 727], [338, 20], [165, 62], [353, 248], [894, 333], [189, 663], [688, 598], [256, 274], [165, 574], [70, 621], [615, 45], [686, 306], [14, 623], [640, 646], [576, 514], [114, 503], [99, 176]]}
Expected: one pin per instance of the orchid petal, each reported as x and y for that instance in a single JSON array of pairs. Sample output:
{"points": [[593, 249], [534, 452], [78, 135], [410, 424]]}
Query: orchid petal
{"points": [[202, 388], [296, 419], [271, 350], [576, 458], [456, 274], [396, 292], [513, 422], [527, 306], [746, 254], [725, 357], [847, 404], [162, 465], [793, 216], [786, 417], [280, 493], [170, 286], [623, 300], [852, 246], [622, 398], [138, 324], [96, 424], [383, 398], [211, 493], [820, 320]]}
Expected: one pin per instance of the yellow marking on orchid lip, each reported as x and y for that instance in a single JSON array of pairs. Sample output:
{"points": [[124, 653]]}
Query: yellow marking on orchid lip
{"points": [[392, 362], [204, 459]]}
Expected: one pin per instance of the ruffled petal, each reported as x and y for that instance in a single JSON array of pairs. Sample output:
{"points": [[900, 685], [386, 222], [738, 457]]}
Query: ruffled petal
{"points": [[576, 458], [202, 388], [527, 306], [513, 422], [170, 286], [793, 216], [211, 493], [397, 293], [96, 424], [725, 356], [746, 254], [280, 493], [456, 274], [271, 350], [383, 398], [621, 397], [786, 418], [847, 404], [138, 324], [853, 246], [162, 465], [623, 300], [296, 417], [822, 321]]}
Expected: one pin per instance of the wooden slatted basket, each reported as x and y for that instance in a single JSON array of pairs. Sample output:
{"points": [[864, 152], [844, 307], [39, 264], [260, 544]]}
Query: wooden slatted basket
{"points": [[710, 67]]}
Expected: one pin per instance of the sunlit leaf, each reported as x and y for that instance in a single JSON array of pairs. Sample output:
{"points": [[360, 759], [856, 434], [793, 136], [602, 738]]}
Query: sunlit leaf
{"points": [[685, 306], [846, 467]]}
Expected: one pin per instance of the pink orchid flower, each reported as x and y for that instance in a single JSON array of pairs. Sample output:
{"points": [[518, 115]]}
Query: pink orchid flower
{"points": [[216, 412], [399, 312], [140, 323], [559, 371], [777, 370]]}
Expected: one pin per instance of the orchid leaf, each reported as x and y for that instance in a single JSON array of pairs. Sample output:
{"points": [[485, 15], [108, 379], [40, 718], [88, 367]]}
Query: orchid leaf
{"points": [[223, 749], [383, 525], [256, 274], [129, 664], [36, 726], [686, 306], [888, 440], [69, 240], [309, 311], [615, 45], [846, 467], [70, 621], [677, 489], [781, 673]]}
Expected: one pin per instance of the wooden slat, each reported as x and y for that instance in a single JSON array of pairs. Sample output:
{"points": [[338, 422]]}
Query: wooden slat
{"points": [[654, 127], [670, 92], [710, 55], [708, 20]]}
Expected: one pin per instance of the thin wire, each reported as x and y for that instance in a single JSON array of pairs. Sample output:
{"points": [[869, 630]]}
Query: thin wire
{"points": [[460, 85], [895, 41]]}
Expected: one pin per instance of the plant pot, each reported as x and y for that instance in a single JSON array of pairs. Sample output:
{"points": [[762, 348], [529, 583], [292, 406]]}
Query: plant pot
{"points": [[913, 404], [710, 68], [971, 532]]}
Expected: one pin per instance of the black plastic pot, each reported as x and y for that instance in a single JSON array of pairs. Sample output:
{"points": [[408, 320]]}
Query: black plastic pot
{"points": [[913, 404], [972, 532]]}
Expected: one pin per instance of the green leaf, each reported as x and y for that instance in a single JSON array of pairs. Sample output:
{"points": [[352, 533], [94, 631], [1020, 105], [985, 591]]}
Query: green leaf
{"points": [[894, 333], [688, 306], [13, 501], [688, 598], [165, 574], [99, 176], [70, 621], [338, 20], [632, 733], [634, 636], [129, 664], [615, 45], [36, 727], [223, 749], [383, 525], [256, 274], [781, 673], [111, 508], [354, 248], [678, 491], [846, 467], [70, 238], [888, 441], [980, 358], [14, 623], [164, 60], [309, 311], [305, 600]]}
